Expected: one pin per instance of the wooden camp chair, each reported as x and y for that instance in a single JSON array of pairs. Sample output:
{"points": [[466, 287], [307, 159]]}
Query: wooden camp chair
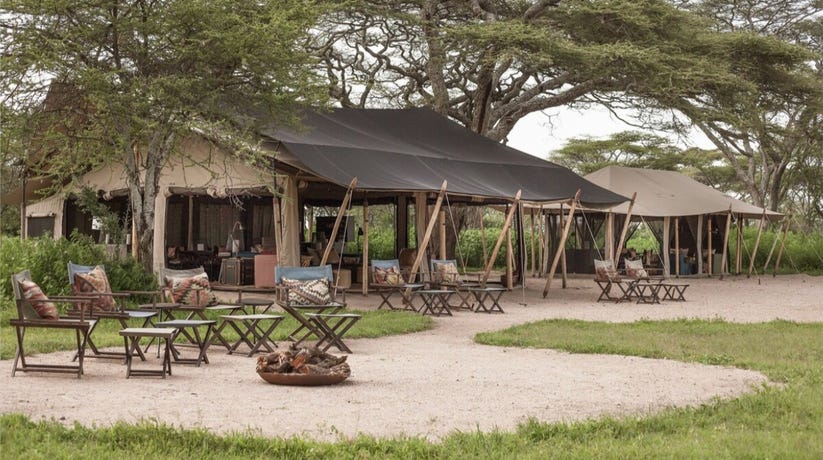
{"points": [[444, 274], [28, 318], [387, 278], [613, 287], [232, 314], [306, 294], [101, 305], [142, 315]]}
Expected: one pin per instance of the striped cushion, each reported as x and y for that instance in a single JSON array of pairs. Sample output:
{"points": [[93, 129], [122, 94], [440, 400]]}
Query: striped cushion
{"points": [[91, 283], [31, 291], [311, 292], [194, 290]]}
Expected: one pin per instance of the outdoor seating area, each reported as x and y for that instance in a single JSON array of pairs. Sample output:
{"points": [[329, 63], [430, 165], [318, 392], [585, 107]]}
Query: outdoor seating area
{"points": [[635, 285], [385, 370]]}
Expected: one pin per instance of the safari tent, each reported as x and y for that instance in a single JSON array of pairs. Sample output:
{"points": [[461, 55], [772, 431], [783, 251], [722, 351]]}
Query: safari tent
{"points": [[208, 195], [688, 218]]}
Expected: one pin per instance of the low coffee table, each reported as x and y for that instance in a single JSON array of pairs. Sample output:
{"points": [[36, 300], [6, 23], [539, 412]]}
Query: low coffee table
{"points": [[435, 301], [131, 338], [488, 299], [200, 341]]}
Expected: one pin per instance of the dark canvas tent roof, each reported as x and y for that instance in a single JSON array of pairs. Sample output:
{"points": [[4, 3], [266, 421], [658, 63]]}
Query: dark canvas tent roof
{"points": [[670, 193], [416, 149]]}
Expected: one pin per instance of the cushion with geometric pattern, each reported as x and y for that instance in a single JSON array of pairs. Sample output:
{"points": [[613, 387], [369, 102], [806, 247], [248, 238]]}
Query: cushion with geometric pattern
{"points": [[33, 293], [446, 272], [634, 269], [388, 276], [91, 283], [605, 271], [310, 292], [192, 290]]}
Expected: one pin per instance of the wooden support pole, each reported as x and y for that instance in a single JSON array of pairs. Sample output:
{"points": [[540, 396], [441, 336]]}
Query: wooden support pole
{"points": [[774, 245], [340, 214], [625, 229], [757, 243], [278, 223], [509, 260], [561, 245], [421, 249], [483, 238], [541, 243], [563, 266], [677, 246], [739, 246], [532, 245], [724, 263], [610, 237], [499, 242], [699, 238], [442, 219], [782, 246], [710, 255], [667, 229], [365, 267], [190, 232]]}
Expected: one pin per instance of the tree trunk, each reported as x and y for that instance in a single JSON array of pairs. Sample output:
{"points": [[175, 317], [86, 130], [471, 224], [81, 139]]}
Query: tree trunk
{"points": [[143, 180]]}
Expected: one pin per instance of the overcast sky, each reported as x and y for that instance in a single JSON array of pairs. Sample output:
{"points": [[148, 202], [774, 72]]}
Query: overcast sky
{"points": [[541, 133]]}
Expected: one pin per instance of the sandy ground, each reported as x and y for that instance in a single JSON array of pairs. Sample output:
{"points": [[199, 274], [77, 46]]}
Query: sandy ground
{"points": [[435, 382]]}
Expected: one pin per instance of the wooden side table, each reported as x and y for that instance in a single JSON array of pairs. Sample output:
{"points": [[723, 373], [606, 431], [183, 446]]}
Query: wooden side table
{"points": [[131, 338]]}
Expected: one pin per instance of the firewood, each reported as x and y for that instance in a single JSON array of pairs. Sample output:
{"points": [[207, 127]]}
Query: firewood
{"points": [[303, 360]]}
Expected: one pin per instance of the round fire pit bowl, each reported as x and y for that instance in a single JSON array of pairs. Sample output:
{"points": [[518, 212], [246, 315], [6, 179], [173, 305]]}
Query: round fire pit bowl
{"points": [[307, 380]]}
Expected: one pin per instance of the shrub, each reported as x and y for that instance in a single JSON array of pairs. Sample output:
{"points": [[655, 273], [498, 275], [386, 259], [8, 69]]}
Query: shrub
{"points": [[47, 260]]}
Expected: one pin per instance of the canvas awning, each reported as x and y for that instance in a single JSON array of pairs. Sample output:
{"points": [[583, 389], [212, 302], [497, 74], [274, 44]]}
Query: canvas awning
{"points": [[414, 150], [670, 193]]}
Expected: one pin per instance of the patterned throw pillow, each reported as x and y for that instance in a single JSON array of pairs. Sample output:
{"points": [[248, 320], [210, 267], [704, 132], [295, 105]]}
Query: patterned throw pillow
{"points": [[31, 292], [634, 269], [388, 276], [605, 271], [193, 291], [446, 272], [94, 282], [310, 292]]}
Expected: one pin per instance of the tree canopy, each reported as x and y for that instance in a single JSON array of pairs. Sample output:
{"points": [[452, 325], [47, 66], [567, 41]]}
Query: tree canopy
{"points": [[123, 81]]}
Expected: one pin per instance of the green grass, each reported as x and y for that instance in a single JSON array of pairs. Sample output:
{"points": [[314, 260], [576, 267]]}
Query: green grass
{"points": [[782, 421]]}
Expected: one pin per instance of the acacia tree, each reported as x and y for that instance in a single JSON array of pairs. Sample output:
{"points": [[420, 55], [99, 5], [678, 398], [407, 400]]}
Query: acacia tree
{"points": [[642, 150], [129, 79], [489, 63], [768, 127]]}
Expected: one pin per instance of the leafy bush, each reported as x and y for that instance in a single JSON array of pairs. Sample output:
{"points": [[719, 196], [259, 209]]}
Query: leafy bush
{"points": [[803, 252], [47, 260]]}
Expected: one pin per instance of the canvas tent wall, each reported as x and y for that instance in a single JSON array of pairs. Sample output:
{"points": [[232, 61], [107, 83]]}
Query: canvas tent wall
{"points": [[202, 171], [670, 196]]}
